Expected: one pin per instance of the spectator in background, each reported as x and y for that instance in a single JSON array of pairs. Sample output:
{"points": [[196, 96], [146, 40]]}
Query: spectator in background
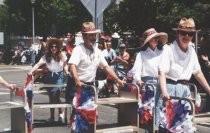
{"points": [[78, 38], [109, 53], [115, 40], [121, 61], [34, 51], [16, 58], [69, 45], [205, 64], [1, 55]]}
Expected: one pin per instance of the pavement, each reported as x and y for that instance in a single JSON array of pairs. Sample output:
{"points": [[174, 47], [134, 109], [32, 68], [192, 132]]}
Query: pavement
{"points": [[17, 74]]}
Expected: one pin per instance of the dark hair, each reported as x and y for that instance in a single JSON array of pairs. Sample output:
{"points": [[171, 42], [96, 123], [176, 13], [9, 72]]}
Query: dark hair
{"points": [[48, 54], [144, 48]]}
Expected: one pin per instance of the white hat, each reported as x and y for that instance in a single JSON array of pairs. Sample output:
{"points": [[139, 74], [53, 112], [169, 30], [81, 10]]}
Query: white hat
{"points": [[115, 35]]}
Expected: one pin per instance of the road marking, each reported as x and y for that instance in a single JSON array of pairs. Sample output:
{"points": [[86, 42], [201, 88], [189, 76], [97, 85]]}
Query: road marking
{"points": [[16, 69], [4, 93]]}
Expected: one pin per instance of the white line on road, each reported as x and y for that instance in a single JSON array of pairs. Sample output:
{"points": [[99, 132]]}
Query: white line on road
{"points": [[17, 69]]}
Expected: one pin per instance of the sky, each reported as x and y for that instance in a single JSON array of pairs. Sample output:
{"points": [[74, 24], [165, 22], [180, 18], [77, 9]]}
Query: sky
{"points": [[1, 2]]}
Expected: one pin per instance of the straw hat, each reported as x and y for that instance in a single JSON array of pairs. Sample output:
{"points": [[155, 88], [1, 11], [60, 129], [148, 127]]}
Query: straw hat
{"points": [[89, 28], [151, 33], [186, 25]]}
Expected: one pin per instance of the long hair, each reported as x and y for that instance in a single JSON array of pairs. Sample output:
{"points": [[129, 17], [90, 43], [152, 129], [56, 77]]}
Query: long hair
{"points": [[49, 56], [159, 46]]}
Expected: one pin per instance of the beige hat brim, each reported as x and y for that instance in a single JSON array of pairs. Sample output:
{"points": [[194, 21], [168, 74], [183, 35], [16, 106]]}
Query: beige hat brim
{"points": [[92, 32], [163, 38], [189, 30]]}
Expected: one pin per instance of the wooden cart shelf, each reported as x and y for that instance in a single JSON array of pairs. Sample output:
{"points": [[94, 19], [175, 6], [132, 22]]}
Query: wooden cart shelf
{"points": [[45, 105], [18, 123], [202, 118], [119, 129], [116, 100], [127, 106], [40, 88], [10, 105]]}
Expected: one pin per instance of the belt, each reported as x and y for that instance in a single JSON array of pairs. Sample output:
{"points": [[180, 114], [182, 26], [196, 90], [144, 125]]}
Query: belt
{"points": [[170, 81], [89, 83]]}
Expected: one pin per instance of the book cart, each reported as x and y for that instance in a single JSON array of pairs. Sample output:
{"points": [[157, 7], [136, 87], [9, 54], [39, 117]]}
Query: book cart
{"points": [[16, 105], [38, 89], [150, 89], [127, 106]]}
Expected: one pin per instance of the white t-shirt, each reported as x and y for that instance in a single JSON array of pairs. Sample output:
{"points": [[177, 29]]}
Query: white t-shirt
{"points": [[87, 62], [54, 66], [147, 62], [179, 65]]}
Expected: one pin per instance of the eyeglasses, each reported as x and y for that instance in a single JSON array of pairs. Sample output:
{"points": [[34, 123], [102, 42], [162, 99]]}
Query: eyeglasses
{"points": [[54, 46], [184, 33]]}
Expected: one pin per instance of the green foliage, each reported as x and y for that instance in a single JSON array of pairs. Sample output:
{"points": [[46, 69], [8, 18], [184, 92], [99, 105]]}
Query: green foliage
{"points": [[56, 17]]}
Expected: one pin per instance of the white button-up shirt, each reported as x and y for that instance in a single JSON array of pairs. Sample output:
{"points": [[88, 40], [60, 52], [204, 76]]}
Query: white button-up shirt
{"points": [[179, 65], [146, 63], [87, 62]]}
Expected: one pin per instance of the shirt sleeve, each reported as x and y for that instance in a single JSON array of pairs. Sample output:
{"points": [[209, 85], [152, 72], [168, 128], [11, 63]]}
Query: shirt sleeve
{"points": [[165, 59], [196, 67], [42, 59], [102, 61], [64, 56], [137, 67], [75, 56]]}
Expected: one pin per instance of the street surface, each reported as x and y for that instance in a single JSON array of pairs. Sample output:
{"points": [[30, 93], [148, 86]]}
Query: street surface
{"points": [[17, 74]]}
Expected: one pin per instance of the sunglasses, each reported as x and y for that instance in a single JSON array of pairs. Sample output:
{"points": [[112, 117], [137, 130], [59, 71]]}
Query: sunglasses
{"points": [[54, 46], [184, 33]]}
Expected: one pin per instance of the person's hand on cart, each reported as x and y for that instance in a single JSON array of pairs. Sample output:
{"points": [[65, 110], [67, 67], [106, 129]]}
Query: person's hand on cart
{"points": [[12, 87], [140, 83], [165, 95]]}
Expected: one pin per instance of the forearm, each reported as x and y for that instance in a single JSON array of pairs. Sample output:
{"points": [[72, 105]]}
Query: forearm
{"points": [[73, 72], [202, 80], [111, 72], [4, 82], [162, 80]]}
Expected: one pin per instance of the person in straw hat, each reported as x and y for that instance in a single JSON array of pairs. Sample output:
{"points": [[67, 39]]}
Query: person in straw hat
{"points": [[145, 68], [147, 60], [86, 57], [179, 63], [55, 62]]}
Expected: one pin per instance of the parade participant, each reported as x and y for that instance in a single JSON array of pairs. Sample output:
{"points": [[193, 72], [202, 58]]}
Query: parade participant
{"points": [[86, 58], [179, 63], [6, 84], [147, 60], [145, 68], [55, 62], [69, 44]]}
